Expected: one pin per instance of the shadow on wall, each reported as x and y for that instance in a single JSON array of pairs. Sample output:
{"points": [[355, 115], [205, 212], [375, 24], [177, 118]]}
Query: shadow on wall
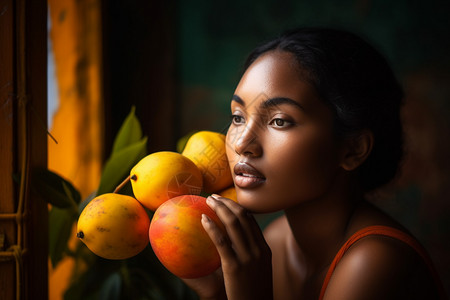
{"points": [[420, 197]]}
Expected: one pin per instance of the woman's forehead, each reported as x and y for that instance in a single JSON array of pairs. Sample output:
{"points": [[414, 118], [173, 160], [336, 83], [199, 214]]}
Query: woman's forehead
{"points": [[274, 75], [271, 63]]}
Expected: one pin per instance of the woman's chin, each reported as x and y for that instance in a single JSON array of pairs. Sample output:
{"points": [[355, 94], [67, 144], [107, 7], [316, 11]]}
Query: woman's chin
{"points": [[255, 204]]}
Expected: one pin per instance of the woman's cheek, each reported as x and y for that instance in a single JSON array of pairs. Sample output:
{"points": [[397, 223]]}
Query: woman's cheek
{"points": [[301, 171], [230, 140]]}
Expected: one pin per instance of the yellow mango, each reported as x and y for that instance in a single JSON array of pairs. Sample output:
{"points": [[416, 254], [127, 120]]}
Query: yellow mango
{"points": [[114, 226], [207, 150], [163, 175]]}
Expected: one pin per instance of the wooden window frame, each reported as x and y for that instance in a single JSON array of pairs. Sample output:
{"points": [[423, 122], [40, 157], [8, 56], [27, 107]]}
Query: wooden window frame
{"points": [[23, 146]]}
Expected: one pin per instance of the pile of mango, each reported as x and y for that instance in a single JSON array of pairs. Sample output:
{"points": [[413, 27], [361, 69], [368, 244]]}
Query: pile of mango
{"points": [[116, 226]]}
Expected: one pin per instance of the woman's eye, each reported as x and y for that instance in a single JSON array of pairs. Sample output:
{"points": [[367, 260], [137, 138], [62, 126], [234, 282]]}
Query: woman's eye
{"points": [[236, 119], [280, 123]]}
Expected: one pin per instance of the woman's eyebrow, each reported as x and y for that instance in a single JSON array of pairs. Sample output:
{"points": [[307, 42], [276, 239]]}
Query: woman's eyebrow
{"points": [[238, 100], [272, 102]]}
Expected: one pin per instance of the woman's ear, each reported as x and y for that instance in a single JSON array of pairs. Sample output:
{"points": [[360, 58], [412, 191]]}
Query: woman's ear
{"points": [[356, 150]]}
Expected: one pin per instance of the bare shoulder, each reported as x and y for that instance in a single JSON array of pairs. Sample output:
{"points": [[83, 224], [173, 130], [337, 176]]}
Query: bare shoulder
{"points": [[378, 267]]}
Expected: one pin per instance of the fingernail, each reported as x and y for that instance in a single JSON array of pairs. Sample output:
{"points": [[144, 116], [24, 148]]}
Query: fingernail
{"points": [[205, 218], [215, 196], [210, 200]]}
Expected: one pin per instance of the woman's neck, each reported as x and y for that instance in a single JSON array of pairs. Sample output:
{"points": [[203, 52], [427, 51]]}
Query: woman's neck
{"points": [[320, 227]]}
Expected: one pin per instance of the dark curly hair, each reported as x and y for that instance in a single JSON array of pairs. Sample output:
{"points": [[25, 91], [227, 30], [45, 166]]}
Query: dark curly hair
{"points": [[356, 81]]}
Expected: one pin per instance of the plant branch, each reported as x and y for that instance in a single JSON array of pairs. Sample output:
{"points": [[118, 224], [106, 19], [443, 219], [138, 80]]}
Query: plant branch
{"points": [[120, 186]]}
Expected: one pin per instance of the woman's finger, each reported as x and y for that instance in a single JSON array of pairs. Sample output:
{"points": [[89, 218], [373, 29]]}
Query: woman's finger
{"points": [[237, 235], [247, 219], [219, 238], [242, 229]]}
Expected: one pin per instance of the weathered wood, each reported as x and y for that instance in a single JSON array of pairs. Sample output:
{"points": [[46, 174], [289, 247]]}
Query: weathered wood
{"points": [[36, 235], [23, 98], [7, 120]]}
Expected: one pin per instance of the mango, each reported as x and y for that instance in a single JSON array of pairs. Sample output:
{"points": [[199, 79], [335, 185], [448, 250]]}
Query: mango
{"points": [[207, 149], [229, 193], [163, 175], [179, 240], [114, 226]]}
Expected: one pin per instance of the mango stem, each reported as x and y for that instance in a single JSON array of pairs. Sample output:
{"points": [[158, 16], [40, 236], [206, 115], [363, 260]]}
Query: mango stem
{"points": [[120, 186]]}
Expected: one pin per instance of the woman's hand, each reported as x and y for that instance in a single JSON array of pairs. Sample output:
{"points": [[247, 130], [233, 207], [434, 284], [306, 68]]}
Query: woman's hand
{"points": [[208, 287], [245, 256]]}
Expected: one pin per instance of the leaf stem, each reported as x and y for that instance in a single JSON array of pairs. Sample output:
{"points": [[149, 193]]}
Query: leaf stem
{"points": [[120, 186]]}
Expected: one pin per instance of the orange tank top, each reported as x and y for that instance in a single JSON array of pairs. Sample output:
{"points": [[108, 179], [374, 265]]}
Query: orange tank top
{"points": [[383, 231]]}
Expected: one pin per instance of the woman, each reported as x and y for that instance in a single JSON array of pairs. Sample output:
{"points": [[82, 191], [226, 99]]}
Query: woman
{"points": [[315, 126]]}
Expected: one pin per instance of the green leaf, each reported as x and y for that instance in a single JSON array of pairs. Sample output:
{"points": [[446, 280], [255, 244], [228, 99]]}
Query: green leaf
{"points": [[158, 283], [60, 227], [181, 143], [129, 133], [111, 288], [120, 164], [87, 285], [85, 202], [54, 189]]}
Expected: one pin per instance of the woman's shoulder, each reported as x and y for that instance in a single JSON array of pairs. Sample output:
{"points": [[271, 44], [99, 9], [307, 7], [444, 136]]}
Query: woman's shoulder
{"points": [[381, 267]]}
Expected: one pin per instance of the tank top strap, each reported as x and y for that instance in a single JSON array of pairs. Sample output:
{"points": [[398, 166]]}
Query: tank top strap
{"points": [[380, 231]]}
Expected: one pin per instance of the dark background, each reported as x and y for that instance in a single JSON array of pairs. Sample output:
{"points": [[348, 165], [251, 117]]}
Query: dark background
{"points": [[179, 63]]}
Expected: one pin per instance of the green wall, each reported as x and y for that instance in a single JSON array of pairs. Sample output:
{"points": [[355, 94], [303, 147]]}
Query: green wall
{"points": [[214, 37]]}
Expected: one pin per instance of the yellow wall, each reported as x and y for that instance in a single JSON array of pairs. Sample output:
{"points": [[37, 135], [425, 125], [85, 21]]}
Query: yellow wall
{"points": [[78, 123]]}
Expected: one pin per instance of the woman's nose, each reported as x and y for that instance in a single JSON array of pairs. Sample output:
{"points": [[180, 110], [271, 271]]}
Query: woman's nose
{"points": [[248, 142]]}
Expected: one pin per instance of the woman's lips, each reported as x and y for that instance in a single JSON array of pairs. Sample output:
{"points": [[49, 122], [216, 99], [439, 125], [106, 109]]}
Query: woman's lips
{"points": [[246, 176]]}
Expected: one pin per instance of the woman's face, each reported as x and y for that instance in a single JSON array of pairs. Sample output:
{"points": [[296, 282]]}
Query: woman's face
{"points": [[280, 143]]}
